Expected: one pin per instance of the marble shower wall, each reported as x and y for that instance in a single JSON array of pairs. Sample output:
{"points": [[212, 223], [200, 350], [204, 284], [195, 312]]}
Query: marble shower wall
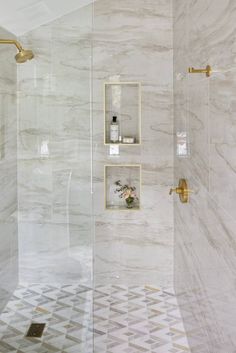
{"points": [[129, 44], [54, 169], [8, 172], [205, 108], [133, 43]]}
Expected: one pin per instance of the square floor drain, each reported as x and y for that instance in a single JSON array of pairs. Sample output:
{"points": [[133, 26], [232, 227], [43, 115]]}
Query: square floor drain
{"points": [[35, 330]]}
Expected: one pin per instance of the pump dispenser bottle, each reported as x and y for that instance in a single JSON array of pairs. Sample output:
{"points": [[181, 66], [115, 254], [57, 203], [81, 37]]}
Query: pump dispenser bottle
{"points": [[114, 130]]}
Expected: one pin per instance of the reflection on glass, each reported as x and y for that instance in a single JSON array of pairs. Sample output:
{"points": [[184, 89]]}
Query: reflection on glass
{"points": [[44, 150], [2, 142], [115, 107], [182, 146]]}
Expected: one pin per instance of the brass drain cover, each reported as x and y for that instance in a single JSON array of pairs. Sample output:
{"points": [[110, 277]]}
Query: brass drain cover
{"points": [[35, 330]]}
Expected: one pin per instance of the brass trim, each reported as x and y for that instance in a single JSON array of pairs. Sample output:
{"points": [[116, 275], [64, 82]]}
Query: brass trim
{"points": [[122, 83], [182, 190], [207, 71]]}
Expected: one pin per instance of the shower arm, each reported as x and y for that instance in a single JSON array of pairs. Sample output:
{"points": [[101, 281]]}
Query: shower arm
{"points": [[11, 41], [207, 71]]}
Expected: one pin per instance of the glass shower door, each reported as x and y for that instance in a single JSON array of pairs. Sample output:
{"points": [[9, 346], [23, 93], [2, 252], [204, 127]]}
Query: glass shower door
{"points": [[54, 178]]}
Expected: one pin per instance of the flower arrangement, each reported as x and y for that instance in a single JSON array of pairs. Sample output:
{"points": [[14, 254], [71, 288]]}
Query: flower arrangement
{"points": [[126, 192]]}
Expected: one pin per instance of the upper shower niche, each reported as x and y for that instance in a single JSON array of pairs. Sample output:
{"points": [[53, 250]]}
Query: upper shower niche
{"points": [[123, 100]]}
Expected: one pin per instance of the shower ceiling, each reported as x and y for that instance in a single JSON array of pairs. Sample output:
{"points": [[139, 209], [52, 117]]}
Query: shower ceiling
{"points": [[22, 16]]}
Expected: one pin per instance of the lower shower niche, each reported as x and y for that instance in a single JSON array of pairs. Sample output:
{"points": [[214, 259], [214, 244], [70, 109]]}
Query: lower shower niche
{"points": [[122, 187]]}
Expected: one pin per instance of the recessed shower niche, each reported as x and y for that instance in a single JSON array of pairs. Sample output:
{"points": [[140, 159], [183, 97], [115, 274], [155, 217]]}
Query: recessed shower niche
{"points": [[122, 187], [123, 101]]}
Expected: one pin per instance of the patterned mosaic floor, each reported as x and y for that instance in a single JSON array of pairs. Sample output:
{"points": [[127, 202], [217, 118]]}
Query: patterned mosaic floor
{"points": [[125, 320]]}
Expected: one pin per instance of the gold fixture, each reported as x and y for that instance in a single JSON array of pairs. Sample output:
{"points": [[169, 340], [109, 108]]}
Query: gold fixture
{"points": [[182, 190], [207, 71], [23, 54], [35, 330]]}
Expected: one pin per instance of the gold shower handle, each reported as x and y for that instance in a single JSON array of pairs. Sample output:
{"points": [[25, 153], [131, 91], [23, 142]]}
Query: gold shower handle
{"points": [[182, 190], [177, 190]]}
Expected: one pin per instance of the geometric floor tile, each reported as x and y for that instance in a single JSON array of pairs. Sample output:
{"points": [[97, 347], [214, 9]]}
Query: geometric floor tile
{"points": [[137, 319], [66, 310], [108, 319]]}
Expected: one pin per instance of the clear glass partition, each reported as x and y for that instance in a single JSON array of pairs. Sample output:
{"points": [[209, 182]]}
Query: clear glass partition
{"points": [[54, 178]]}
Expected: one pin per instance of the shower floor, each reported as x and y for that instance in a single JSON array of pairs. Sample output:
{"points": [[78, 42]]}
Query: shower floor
{"points": [[112, 319]]}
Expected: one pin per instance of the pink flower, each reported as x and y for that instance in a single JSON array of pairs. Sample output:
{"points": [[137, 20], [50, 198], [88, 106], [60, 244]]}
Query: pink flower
{"points": [[127, 194]]}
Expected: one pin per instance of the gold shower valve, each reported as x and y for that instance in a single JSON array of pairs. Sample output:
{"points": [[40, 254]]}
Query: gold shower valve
{"points": [[182, 190], [178, 191]]}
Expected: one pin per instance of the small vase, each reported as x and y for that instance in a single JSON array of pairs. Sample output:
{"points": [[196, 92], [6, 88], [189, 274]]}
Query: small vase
{"points": [[130, 202]]}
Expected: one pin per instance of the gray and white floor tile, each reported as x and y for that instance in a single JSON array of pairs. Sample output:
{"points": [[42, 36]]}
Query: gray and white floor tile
{"points": [[108, 319]]}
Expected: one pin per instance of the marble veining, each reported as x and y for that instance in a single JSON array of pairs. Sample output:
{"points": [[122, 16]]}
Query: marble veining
{"points": [[8, 173], [54, 149], [108, 319], [134, 44], [54, 160], [205, 246]]}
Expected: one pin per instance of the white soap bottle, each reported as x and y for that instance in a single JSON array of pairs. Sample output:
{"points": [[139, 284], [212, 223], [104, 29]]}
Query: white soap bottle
{"points": [[114, 130]]}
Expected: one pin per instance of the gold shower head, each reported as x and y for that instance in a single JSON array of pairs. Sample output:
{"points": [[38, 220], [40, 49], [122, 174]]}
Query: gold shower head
{"points": [[23, 54]]}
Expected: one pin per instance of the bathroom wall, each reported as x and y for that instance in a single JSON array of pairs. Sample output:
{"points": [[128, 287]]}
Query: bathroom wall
{"points": [[54, 163], [8, 171], [205, 149], [134, 44], [54, 169]]}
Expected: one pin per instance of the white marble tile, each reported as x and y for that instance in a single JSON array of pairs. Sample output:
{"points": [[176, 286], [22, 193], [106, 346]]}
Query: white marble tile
{"points": [[52, 253], [135, 44], [54, 167], [8, 173], [204, 33], [54, 136]]}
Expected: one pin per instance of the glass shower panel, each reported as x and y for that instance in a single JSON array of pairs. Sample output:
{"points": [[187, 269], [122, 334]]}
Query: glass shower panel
{"points": [[54, 170], [8, 180]]}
